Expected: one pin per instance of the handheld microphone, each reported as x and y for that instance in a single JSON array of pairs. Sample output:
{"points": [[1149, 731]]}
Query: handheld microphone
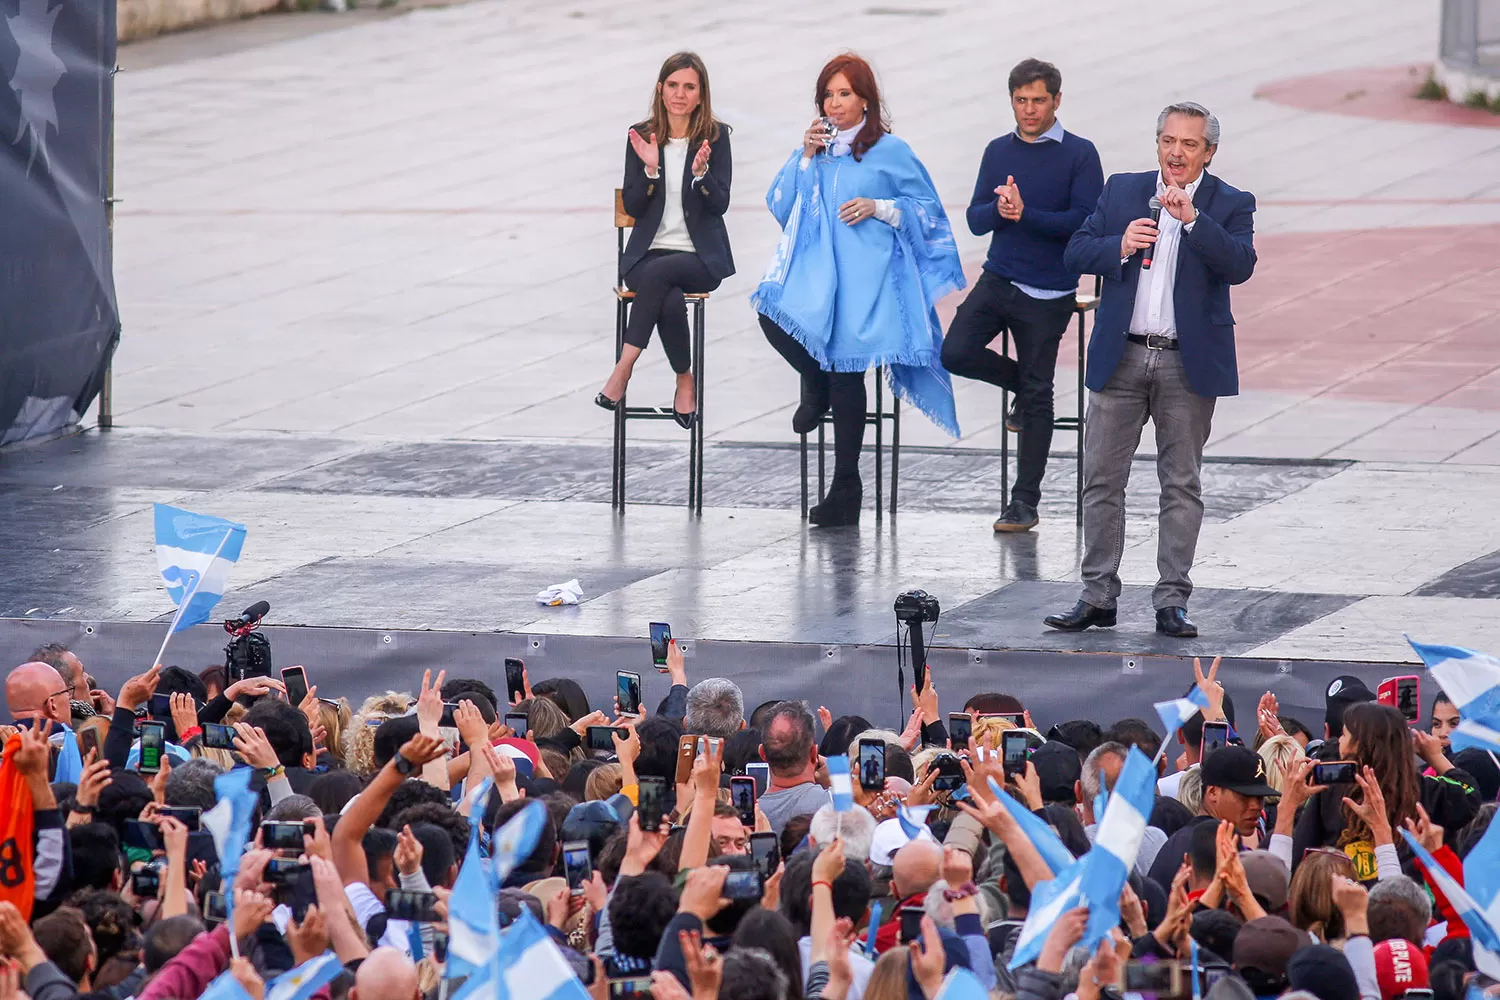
{"points": [[1155, 206]]}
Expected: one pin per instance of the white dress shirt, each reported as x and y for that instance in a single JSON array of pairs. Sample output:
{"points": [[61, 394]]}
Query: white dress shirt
{"points": [[1154, 311]]}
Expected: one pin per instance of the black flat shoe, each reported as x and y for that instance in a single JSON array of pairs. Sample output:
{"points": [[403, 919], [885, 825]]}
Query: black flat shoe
{"points": [[685, 420], [840, 508], [605, 402], [1084, 615], [815, 403], [1013, 418], [1174, 622]]}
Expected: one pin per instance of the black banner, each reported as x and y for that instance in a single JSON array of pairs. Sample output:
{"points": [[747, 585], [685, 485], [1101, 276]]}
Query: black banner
{"points": [[59, 319]]}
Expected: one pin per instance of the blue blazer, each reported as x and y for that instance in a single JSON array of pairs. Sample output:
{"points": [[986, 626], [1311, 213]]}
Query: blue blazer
{"points": [[1219, 252]]}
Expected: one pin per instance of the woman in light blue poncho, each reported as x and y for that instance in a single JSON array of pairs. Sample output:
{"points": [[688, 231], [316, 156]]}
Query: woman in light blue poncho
{"points": [[865, 252]]}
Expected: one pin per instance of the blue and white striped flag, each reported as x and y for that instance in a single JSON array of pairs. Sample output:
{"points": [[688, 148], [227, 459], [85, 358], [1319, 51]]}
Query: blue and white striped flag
{"points": [[532, 967], [306, 979], [224, 987], [840, 784], [1472, 681], [1049, 901], [515, 841], [228, 822], [1116, 843], [194, 553], [1481, 920], [961, 984], [473, 921], [913, 819], [1177, 711], [1037, 830]]}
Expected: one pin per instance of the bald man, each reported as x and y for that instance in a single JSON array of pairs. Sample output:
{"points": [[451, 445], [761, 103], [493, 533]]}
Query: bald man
{"points": [[913, 870], [34, 691], [385, 975]]}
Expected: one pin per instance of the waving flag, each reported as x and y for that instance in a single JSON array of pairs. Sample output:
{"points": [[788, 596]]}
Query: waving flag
{"points": [[1049, 901], [1036, 829], [194, 553], [532, 967], [1177, 711], [515, 841], [961, 984], [1116, 843], [913, 819], [473, 921], [306, 979], [1472, 681], [840, 784], [1481, 920], [225, 987], [229, 820]]}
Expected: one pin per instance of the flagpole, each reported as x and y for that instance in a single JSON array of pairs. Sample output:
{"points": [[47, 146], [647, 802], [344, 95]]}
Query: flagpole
{"points": [[187, 597]]}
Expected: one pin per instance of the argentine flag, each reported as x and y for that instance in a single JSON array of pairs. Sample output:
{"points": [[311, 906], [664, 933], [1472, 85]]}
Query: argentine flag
{"points": [[224, 987], [1480, 872], [532, 967], [840, 784], [1177, 711], [473, 922], [913, 820], [1472, 681], [194, 553], [306, 979], [1037, 830], [229, 820]]}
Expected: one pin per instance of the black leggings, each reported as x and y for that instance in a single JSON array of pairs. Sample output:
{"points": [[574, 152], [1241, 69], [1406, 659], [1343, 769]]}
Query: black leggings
{"points": [[658, 280], [846, 391]]}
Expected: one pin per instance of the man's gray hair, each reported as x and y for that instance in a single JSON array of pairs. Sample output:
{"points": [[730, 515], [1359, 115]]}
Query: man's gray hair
{"points": [[191, 783], [52, 654], [1093, 768], [1401, 889], [858, 830], [715, 707], [1193, 110]]}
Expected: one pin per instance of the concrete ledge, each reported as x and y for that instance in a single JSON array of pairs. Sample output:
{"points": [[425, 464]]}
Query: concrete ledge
{"points": [[1461, 81], [146, 18]]}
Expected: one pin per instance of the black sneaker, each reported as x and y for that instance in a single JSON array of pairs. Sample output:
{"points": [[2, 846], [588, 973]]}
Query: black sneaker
{"points": [[1013, 418], [1017, 517]]}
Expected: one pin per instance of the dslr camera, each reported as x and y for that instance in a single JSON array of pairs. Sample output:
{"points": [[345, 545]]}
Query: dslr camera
{"points": [[248, 653], [916, 606]]}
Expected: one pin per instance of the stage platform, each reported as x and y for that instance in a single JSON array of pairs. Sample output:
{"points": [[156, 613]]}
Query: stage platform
{"points": [[380, 557]]}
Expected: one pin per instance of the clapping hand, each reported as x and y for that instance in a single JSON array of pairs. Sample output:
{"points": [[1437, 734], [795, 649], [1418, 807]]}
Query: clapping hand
{"points": [[700, 161], [647, 149]]}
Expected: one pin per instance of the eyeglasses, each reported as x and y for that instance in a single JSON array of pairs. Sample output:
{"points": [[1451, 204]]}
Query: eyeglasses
{"points": [[64, 691], [1332, 851]]}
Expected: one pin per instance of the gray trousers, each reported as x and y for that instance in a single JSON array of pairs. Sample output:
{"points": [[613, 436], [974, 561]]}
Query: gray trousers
{"points": [[1146, 384]]}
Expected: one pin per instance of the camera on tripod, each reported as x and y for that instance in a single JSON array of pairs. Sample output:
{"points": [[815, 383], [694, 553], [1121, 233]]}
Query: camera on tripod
{"points": [[917, 606], [248, 654]]}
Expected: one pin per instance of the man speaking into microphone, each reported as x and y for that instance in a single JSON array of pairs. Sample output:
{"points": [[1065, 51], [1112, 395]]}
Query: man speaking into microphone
{"points": [[1162, 347]]}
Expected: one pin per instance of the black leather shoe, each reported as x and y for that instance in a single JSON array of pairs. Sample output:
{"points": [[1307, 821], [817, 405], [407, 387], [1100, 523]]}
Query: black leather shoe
{"points": [[685, 420], [1084, 615], [1174, 622], [604, 401], [840, 508], [1017, 517], [815, 403], [1013, 418]]}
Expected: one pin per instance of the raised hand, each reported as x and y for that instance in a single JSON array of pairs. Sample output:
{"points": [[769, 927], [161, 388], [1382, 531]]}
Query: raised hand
{"points": [[647, 149], [430, 701], [1372, 809], [184, 712], [700, 160], [815, 139], [408, 853], [251, 743], [1176, 202], [825, 718], [139, 689], [1428, 833], [1210, 686], [1009, 201]]}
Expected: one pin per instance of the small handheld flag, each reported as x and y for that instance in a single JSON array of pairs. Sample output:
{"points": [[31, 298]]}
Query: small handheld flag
{"points": [[840, 784], [1177, 711]]}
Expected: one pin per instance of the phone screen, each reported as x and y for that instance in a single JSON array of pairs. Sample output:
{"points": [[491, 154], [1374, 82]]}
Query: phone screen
{"points": [[661, 633], [960, 729], [215, 911], [742, 797], [601, 738], [278, 835], [160, 707], [1407, 701], [88, 739], [1335, 772], [628, 691], [284, 871], [145, 836], [515, 684], [652, 793], [911, 923], [872, 765], [188, 816], [761, 772], [765, 851], [577, 864], [1013, 751], [153, 742], [518, 722], [295, 679], [411, 904], [217, 736], [1215, 737], [743, 885], [145, 882], [446, 719], [625, 989]]}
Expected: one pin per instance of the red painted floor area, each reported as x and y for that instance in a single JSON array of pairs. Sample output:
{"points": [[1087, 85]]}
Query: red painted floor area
{"points": [[1386, 92], [1406, 316]]}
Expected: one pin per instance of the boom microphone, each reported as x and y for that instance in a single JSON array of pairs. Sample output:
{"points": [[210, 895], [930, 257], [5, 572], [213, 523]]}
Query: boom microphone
{"points": [[1155, 205]]}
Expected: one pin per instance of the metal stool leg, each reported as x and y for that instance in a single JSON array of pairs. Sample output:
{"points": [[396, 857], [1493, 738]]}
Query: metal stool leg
{"points": [[695, 435], [1078, 456], [617, 454], [1004, 431], [895, 450], [879, 439], [804, 476], [822, 487]]}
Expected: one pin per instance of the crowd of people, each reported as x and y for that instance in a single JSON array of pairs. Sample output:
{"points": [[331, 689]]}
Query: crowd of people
{"points": [[1251, 880]]}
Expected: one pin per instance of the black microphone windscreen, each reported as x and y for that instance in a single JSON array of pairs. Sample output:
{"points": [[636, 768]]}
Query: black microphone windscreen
{"points": [[1155, 205], [257, 611]]}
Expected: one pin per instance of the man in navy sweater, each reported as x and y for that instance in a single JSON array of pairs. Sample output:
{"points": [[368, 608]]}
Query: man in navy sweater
{"points": [[1036, 186]]}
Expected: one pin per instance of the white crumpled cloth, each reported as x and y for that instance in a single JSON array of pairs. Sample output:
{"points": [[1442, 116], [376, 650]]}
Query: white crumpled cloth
{"points": [[560, 593]]}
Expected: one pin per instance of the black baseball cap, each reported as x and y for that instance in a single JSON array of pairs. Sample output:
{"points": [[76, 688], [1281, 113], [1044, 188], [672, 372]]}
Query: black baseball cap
{"points": [[1057, 768], [1238, 769], [1343, 691]]}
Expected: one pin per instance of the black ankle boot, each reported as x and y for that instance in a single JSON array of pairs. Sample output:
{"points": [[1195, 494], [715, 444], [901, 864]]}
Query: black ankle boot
{"points": [[815, 403], [841, 506]]}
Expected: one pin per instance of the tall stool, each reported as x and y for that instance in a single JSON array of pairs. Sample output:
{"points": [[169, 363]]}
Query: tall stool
{"points": [[624, 413], [1085, 304], [878, 417]]}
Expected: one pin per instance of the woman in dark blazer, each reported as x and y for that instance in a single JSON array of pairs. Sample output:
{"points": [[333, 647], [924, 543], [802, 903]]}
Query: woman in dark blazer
{"points": [[677, 170]]}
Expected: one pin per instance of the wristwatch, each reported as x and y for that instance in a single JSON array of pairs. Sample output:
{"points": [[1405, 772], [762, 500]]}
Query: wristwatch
{"points": [[404, 767]]}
